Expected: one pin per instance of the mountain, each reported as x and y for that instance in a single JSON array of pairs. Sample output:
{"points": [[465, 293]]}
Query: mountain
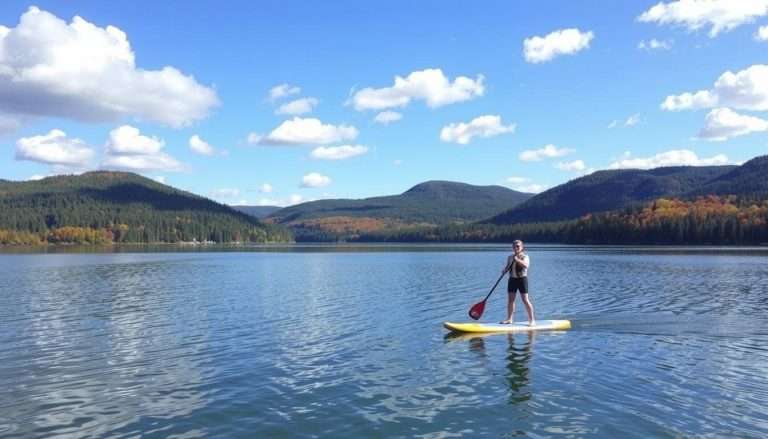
{"points": [[751, 178], [433, 202], [128, 208], [427, 204], [257, 211], [613, 189]]}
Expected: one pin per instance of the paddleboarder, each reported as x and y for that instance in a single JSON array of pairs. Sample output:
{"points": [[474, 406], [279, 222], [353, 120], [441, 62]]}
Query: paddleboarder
{"points": [[517, 265]]}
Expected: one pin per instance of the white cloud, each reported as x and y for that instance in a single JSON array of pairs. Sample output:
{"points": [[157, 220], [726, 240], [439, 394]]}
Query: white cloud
{"points": [[224, 193], [483, 126], [682, 157], [654, 44], [397, 162], [524, 184], [632, 120], [36, 177], [548, 151], [744, 90], [430, 85], [127, 140], [160, 179], [338, 152], [54, 148], [128, 149], [299, 131], [265, 188], [762, 33], [576, 165], [724, 123], [298, 106], [387, 117], [560, 42], [295, 199], [313, 180], [200, 146], [613, 124], [721, 15], [140, 163], [88, 73], [283, 90]]}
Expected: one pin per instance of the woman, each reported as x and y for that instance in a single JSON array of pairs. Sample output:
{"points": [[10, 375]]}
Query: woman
{"points": [[518, 264]]}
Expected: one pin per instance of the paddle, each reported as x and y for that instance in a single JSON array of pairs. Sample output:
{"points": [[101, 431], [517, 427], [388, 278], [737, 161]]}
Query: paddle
{"points": [[477, 309]]}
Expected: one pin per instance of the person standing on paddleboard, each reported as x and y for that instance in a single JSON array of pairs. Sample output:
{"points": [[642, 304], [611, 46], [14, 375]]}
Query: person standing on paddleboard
{"points": [[517, 264]]}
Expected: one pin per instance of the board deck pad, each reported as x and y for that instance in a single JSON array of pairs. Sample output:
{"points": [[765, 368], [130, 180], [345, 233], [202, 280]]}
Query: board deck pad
{"points": [[512, 327]]}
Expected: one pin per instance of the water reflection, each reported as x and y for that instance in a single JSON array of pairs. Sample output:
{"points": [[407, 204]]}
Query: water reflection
{"points": [[519, 355]]}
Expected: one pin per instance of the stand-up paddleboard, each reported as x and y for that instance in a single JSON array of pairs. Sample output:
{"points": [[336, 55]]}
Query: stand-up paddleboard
{"points": [[541, 325]]}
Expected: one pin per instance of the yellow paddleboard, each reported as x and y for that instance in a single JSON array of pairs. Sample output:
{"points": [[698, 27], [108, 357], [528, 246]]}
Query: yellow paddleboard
{"points": [[513, 327]]}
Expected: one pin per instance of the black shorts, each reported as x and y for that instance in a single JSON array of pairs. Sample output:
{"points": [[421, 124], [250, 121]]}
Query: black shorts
{"points": [[518, 283]]}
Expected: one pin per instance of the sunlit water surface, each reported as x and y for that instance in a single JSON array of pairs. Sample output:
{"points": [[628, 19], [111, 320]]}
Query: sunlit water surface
{"points": [[347, 343]]}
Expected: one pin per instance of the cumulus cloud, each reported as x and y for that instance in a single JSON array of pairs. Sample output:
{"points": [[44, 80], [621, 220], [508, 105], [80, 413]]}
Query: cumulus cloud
{"points": [[654, 44], [743, 90], [88, 73], [141, 163], [387, 117], [724, 123], [762, 33], [200, 146], [54, 148], [429, 85], [283, 90], [314, 180], [720, 15], [524, 184], [482, 126], [300, 131], [127, 140], [128, 149], [681, 157], [576, 165], [546, 152], [560, 42], [298, 106], [338, 152], [224, 193], [265, 188]]}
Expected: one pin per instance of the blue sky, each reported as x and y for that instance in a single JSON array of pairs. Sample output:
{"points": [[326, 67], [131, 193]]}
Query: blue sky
{"points": [[523, 94]]}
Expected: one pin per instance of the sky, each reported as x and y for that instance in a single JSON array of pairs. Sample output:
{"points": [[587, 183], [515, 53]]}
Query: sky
{"points": [[281, 102]]}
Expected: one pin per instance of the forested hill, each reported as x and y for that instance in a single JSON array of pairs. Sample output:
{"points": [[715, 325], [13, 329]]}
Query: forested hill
{"points": [[614, 189], [432, 202], [122, 207], [257, 211], [749, 179]]}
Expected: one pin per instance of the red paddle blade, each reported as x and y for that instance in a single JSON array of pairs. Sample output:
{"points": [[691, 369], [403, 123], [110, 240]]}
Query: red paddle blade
{"points": [[477, 310]]}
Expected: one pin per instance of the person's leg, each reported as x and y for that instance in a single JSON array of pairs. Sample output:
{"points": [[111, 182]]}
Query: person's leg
{"points": [[528, 308], [510, 307]]}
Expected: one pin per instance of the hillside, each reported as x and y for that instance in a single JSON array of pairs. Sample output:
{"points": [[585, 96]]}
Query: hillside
{"points": [[434, 202], [123, 207], [751, 178], [257, 211], [610, 190]]}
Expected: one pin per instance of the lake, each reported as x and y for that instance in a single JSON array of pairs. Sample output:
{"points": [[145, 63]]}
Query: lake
{"points": [[347, 342]]}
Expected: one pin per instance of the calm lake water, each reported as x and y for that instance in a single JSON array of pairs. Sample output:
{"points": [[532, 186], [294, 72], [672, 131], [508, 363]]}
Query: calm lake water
{"points": [[347, 343]]}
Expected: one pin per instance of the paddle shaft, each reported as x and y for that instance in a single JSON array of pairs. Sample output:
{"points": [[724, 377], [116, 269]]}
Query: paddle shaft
{"points": [[495, 285]]}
